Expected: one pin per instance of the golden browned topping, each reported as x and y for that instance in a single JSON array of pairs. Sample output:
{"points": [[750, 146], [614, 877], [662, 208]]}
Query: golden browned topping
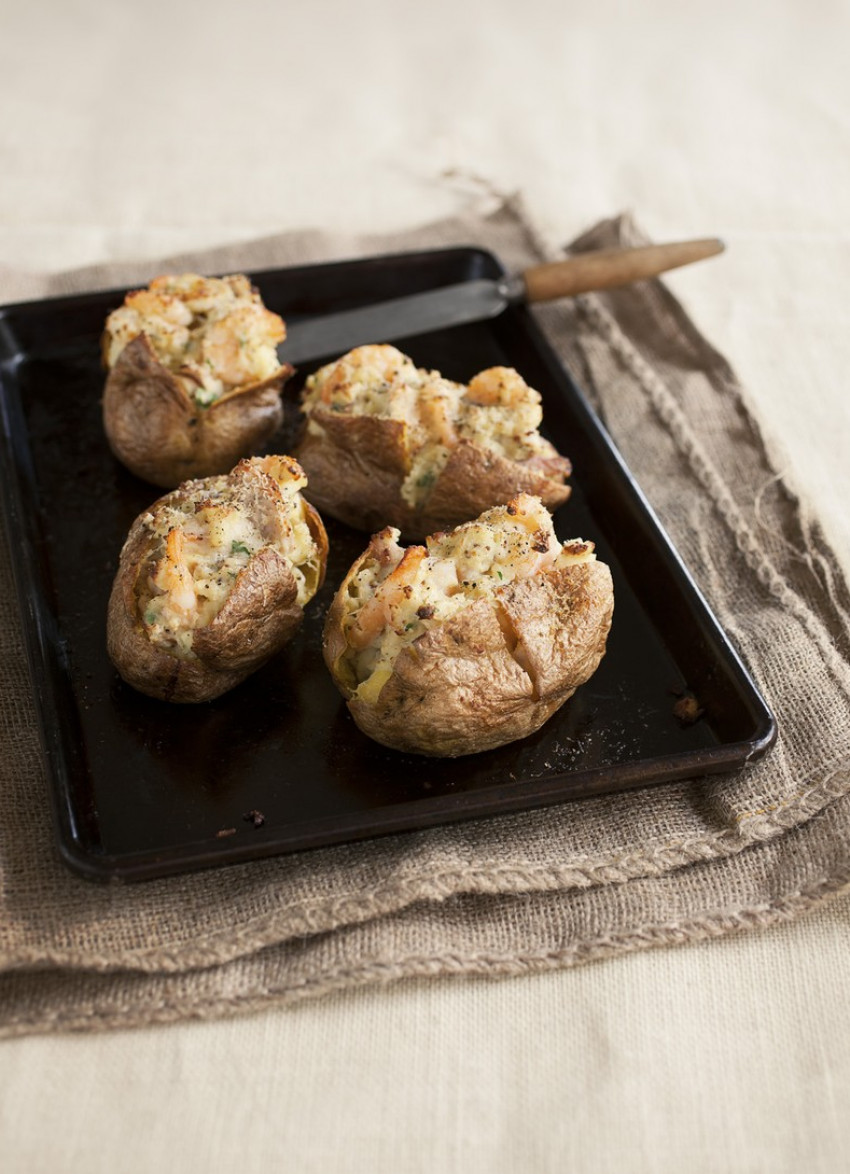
{"points": [[398, 593], [213, 333], [206, 534], [496, 411]]}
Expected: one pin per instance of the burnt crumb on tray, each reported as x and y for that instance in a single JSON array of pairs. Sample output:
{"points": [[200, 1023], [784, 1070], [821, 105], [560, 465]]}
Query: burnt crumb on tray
{"points": [[687, 709], [254, 817]]}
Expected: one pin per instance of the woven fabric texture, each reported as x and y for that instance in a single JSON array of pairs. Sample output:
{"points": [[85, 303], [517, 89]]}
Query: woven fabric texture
{"points": [[509, 894]]}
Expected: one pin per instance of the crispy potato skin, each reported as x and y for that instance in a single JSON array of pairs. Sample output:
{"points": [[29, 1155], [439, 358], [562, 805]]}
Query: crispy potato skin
{"points": [[259, 617], [459, 689], [160, 434], [356, 470]]}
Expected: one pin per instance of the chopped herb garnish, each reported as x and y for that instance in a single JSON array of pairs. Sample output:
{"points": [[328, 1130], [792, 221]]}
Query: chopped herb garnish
{"points": [[237, 547], [204, 397], [150, 617]]}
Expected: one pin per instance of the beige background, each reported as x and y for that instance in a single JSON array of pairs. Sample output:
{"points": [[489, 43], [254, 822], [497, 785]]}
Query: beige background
{"points": [[129, 132]]}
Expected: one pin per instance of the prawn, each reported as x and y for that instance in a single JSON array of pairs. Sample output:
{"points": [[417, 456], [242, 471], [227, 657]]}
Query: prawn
{"points": [[390, 596], [173, 577], [233, 346], [499, 387]]}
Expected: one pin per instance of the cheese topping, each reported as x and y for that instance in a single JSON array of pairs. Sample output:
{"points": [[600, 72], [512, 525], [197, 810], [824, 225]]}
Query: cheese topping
{"points": [[213, 333], [497, 410], [397, 594], [208, 537]]}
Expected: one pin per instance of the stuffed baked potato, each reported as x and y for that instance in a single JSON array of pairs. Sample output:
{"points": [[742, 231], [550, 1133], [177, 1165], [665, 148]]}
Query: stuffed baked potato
{"points": [[213, 579], [474, 639], [387, 443], [194, 381]]}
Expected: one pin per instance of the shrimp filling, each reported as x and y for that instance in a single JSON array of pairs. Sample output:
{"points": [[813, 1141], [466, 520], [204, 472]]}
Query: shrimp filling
{"points": [[398, 594], [207, 539], [497, 410], [214, 334]]}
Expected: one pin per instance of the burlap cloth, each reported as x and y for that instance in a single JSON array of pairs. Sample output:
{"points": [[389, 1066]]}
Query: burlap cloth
{"points": [[513, 894]]}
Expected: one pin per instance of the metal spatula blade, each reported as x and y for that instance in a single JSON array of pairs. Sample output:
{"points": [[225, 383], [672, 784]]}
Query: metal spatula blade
{"points": [[473, 301]]}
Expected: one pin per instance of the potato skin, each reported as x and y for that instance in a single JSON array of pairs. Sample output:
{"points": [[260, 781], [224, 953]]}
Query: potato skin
{"points": [[160, 434], [458, 689], [258, 618], [357, 467]]}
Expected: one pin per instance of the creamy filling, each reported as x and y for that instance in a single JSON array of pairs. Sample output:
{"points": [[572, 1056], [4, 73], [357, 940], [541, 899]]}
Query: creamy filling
{"points": [[213, 334], [398, 594], [208, 539], [497, 411]]}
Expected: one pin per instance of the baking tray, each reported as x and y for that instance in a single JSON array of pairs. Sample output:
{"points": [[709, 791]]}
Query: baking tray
{"points": [[142, 789]]}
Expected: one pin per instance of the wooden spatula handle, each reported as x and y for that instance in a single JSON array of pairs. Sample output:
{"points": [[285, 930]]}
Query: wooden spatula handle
{"points": [[609, 267]]}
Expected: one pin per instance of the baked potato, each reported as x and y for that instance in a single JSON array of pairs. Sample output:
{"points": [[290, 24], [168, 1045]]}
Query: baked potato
{"points": [[213, 579], [387, 443], [193, 380], [474, 639]]}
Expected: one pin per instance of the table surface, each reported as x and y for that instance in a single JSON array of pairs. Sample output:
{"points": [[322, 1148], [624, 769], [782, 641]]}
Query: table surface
{"points": [[129, 134]]}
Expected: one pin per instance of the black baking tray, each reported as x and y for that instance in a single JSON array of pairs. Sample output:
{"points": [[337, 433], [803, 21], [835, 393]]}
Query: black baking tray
{"points": [[141, 788]]}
